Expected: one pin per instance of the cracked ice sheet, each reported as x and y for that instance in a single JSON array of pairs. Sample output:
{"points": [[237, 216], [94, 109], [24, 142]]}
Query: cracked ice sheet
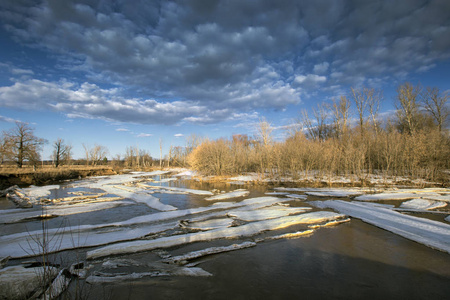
{"points": [[182, 271], [336, 193], [23, 245], [181, 259], [267, 213], [161, 189], [422, 204], [209, 224], [297, 196], [428, 232], [233, 194], [35, 192], [232, 232], [16, 245], [439, 194], [138, 195], [60, 210], [330, 191]]}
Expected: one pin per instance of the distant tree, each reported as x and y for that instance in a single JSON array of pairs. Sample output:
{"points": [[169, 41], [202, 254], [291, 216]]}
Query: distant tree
{"points": [[62, 153], [21, 144], [407, 106], [96, 154], [2, 149], [435, 103], [341, 112]]}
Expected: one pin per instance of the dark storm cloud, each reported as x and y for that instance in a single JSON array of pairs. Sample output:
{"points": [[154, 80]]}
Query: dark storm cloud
{"points": [[224, 56]]}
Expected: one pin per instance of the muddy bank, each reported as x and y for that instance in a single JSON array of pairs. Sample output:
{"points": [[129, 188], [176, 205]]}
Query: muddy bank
{"points": [[49, 176]]}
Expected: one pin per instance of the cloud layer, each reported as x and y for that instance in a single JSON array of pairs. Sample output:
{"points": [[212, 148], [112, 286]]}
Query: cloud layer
{"points": [[206, 61]]}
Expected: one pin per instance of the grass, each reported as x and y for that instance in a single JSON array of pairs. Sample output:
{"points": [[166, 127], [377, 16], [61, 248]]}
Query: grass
{"points": [[11, 175]]}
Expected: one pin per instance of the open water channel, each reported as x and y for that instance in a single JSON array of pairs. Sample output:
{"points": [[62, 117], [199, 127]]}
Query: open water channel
{"points": [[352, 260]]}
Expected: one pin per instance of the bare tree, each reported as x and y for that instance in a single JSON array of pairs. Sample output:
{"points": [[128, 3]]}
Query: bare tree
{"points": [[436, 104], [341, 111], [317, 129], [21, 144], [408, 107], [96, 154], [62, 152], [160, 153]]}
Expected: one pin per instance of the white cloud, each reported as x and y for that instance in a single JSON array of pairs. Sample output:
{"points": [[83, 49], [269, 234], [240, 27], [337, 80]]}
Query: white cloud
{"points": [[310, 80], [8, 120], [178, 135], [141, 135], [122, 129]]}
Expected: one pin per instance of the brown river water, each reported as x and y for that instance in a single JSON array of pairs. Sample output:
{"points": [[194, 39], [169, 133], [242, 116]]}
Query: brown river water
{"points": [[353, 260]]}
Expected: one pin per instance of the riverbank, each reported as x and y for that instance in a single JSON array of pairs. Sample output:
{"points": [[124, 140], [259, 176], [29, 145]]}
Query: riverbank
{"points": [[47, 175]]}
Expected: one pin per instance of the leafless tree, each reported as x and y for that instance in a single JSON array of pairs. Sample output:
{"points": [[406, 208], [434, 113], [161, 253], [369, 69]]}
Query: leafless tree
{"points": [[21, 144], [407, 106], [96, 154], [62, 153], [435, 103], [341, 112]]}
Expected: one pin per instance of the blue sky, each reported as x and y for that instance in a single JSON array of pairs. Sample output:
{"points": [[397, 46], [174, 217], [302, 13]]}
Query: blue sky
{"points": [[126, 73]]}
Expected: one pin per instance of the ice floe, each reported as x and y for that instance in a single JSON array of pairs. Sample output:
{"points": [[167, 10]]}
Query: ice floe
{"points": [[428, 232], [231, 232], [182, 259], [439, 194], [36, 192], [423, 204], [162, 189], [119, 277], [18, 245], [297, 196], [230, 195], [335, 193], [267, 213], [208, 224], [54, 211]]}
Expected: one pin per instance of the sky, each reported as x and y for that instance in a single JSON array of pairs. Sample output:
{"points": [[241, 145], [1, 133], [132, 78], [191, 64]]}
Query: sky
{"points": [[134, 73]]}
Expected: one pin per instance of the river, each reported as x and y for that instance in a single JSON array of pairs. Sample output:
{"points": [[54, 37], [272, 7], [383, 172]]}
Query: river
{"points": [[352, 260]]}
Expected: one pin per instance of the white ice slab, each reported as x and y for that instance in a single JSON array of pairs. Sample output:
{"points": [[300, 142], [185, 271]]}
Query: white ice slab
{"points": [[182, 190], [428, 232], [447, 218], [230, 195], [336, 193], [423, 204], [138, 195], [209, 224], [36, 192], [182, 259], [232, 232], [398, 195], [60, 210], [111, 277], [297, 196], [21, 245], [267, 213]]}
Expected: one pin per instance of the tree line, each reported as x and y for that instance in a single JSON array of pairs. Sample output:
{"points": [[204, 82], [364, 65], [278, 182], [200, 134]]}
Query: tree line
{"points": [[21, 146], [345, 137]]}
